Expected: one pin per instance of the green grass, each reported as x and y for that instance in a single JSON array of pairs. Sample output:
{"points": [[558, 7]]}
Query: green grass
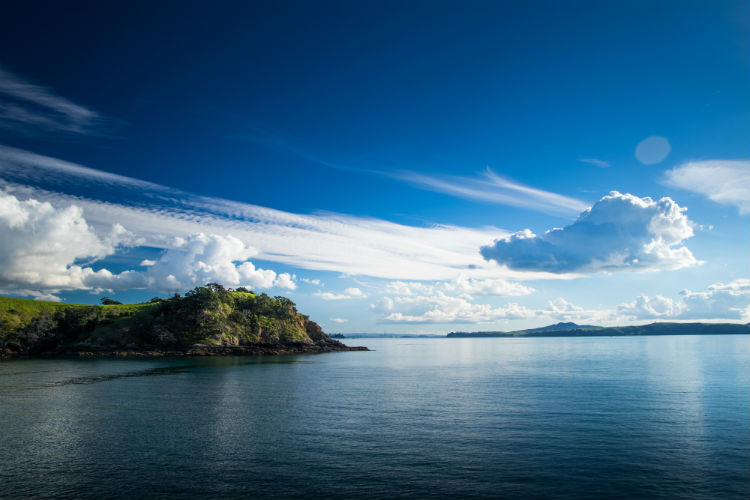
{"points": [[17, 313]]}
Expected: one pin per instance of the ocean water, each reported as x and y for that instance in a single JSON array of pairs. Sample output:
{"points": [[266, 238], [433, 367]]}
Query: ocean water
{"points": [[633, 417]]}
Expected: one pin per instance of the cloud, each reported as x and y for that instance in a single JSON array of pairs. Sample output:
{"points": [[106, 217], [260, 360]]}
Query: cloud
{"points": [[620, 232], [48, 248], [596, 162], [442, 308], [349, 293], [197, 260], [652, 150], [27, 106], [724, 181], [449, 301], [322, 241], [729, 301], [495, 287], [461, 284], [339, 320], [43, 247], [651, 307], [493, 188]]}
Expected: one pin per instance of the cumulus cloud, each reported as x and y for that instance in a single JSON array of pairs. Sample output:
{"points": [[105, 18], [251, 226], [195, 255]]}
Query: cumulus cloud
{"points": [[461, 284], [339, 320], [651, 307], [450, 301], [349, 293], [197, 260], [730, 301], [441, 308], [45, 247], [724, 181], [620, 232], [26, 106], [495, 287]]}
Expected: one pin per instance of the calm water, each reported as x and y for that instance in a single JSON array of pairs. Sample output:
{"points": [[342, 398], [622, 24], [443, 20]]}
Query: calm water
{"points": [[635, 417]]}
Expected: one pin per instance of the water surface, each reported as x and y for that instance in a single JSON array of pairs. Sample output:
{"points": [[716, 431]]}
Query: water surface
{"points": [[632, 417]]}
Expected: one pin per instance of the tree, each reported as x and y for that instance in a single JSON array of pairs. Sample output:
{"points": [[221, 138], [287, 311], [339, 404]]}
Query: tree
{"points": [[109, 302]]}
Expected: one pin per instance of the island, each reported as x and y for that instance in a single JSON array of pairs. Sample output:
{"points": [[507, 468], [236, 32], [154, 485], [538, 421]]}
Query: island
{"points": [[208, 320], [661, 328]]}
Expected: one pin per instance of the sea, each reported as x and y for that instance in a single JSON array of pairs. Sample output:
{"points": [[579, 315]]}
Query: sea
{"points": [[657, 417]]}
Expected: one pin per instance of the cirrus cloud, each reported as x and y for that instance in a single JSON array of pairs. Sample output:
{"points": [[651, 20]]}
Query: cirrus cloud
{"points": [[726, 182]]}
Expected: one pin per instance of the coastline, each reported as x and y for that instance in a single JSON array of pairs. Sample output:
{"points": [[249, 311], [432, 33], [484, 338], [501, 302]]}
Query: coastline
{"points": [[94, 352]]}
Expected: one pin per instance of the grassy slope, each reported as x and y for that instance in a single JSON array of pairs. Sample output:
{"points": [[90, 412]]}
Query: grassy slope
{"points": [[204, 315]]}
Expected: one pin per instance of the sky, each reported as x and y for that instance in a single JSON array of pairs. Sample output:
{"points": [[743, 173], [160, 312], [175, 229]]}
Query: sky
{"points": [[403, 167]]}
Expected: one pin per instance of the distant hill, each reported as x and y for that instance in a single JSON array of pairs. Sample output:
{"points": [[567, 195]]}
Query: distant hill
{"points": [[560, 327], [573, 330]]}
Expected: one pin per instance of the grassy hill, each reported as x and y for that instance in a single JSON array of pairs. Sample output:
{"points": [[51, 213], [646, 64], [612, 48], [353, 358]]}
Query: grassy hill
{"points": [[209, 315]]}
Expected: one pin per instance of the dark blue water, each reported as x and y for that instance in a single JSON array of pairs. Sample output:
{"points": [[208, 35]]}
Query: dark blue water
{"points": [[634, 417]]}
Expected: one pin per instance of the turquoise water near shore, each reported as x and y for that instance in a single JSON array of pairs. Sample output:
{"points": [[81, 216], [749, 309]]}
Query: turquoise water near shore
{"points": [[627, 417]]}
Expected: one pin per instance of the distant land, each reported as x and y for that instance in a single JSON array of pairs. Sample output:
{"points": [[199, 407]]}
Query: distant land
{"points": [[386, 336], [208, 320], [574, 330]]}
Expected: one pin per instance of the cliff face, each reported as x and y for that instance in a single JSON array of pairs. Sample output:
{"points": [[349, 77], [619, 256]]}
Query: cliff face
{"points": [[211, 316]]}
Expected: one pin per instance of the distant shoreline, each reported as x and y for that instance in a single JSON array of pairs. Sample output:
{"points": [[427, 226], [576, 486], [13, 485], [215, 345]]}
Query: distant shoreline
{"points": [[573, 330]]}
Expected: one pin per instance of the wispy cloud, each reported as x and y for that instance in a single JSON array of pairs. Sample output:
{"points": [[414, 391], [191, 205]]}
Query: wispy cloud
{"points": [[349, 293], [493, 188], [488, 187], [596, 162], [329, 242], [28, 106], [724, 181]]}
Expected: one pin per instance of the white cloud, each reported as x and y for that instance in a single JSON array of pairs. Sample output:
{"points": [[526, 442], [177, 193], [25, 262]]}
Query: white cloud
{"points": [[596, 162], [197, 260], [442, 308], [495, 287], [731, 300], [724, 181], [651, 307], [560, 309], [329, 242], [48, 248], [493, 188], [620, 232], [720, 301], [349, 293], [43, 247], [24, 105], [312, 282], [339, 320]]}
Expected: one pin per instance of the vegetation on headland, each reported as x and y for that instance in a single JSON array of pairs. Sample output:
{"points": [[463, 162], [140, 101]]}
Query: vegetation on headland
{"points": [[573, 330], [212, 317]]}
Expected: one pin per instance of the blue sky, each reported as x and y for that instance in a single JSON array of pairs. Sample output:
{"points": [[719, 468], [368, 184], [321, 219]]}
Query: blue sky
{"points": [[390, 166]]}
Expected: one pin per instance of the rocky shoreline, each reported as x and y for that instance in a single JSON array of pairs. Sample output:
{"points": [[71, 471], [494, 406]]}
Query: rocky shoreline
{"points": [[147, 351]]}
